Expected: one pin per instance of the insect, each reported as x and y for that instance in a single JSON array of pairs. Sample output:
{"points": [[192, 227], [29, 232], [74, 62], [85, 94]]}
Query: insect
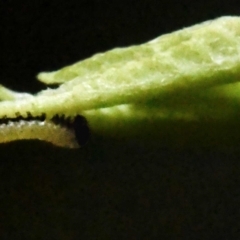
{"points": [[178, 75]]}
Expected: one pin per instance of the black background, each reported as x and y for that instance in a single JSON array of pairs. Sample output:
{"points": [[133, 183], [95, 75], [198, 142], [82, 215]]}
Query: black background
{"points": [[113, 188]]}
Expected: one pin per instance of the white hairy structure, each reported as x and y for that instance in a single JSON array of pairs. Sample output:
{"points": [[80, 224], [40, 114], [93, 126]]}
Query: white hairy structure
{"points": [[41, 130]]}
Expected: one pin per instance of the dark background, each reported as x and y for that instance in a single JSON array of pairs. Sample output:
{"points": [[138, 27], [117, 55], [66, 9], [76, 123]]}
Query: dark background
{"points": [[129, 188]]}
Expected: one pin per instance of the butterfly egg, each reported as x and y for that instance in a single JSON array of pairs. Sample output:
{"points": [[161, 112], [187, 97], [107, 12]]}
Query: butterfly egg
{"points": [[48, 131]]}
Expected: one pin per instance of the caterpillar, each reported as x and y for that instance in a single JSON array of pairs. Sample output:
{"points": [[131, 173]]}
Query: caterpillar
{"points": [[62, 132]]}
